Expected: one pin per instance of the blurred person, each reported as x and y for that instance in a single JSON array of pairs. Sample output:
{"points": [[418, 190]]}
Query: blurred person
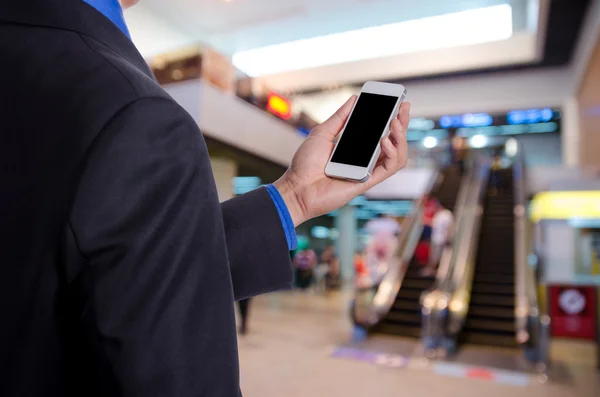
{"points": [[495, 184], [430, 207], [379, 253], [360, 268], [305, 261], [460, 153], [118, 265], [440, 236], [383, 225], [244, 309], [422, 253], [383, 233], [330, 259]]}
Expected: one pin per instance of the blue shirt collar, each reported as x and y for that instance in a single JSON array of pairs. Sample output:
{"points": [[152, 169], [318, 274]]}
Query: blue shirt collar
{"points": [[113, 11]]}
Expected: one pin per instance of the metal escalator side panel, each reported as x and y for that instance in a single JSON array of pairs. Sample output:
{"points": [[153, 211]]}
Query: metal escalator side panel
{"points": [[531, 327], [463, 268], [435, 301], [520, 260], [446, 263]]}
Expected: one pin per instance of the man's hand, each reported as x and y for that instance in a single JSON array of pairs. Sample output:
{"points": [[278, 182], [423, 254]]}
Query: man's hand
{"points": [[305, 188]]}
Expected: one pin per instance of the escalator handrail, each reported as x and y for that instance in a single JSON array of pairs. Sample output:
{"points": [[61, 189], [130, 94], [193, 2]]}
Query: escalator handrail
{"points": [[464, 266], [385, 294], [434, 300], [446, 266], [527, 314]]}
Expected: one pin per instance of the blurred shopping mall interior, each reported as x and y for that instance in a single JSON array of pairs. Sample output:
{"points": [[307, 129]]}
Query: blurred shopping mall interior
{"points": [[504, 144]]}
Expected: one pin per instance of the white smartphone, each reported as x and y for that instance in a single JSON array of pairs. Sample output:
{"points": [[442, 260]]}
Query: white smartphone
{"points": [[359, 143]]}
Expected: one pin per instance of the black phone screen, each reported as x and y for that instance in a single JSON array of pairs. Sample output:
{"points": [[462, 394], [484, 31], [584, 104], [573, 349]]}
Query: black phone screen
{"points": [[363, 131]]}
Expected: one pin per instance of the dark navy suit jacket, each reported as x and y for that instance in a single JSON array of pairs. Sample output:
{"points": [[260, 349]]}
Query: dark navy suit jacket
{"points": [[118, 265]]}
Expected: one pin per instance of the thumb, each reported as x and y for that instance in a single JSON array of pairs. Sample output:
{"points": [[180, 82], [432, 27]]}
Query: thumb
{"points": [[333, 125]]}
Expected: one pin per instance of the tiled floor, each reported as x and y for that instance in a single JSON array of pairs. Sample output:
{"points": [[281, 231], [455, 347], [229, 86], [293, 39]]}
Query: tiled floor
{"points": [[287, 354]]}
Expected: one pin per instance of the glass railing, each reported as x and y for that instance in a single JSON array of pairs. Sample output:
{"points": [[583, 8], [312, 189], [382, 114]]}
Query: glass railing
{"points": [[458, 288], [373, 302], [434, 301]]}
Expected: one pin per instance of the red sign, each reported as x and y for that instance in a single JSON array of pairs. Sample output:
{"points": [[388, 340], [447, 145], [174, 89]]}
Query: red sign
{"points": [[573, 311], [280, 106]]}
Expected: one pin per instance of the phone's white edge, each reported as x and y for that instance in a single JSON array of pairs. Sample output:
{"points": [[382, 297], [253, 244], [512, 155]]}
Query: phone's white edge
{"points": [[362, 174]]}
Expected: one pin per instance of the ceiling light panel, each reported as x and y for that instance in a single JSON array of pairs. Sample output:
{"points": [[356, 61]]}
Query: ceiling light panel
{"points": [[469, 27]]}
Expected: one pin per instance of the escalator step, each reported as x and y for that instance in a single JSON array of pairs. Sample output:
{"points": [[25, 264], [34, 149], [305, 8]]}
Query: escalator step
{"points": [[495, 258], [412, 305], [401, 330], [487, 339], [491, 311], [403, 318], [414, 271], [409, 294], [487, 288], [498, 259], [493, 300], [507, 270], [485, 262], [417, 283], [489, 325], [490, 277]]}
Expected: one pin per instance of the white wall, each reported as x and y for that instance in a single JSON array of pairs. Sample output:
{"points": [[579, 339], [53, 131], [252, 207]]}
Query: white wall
{"points": [[230, 120], [588, 37], [490, 92], [153, 35], [486, 93], [409, 183], [224, 170], [559, 252]]}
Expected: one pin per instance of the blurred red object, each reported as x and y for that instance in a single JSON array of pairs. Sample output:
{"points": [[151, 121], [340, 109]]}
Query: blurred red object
{"points": [[422, 253], [429, 210], [573, 311], [360, 266]]}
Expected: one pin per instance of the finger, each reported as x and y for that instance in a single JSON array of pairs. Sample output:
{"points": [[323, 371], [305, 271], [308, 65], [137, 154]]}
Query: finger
{"points": [[397, 134], [333, 125], [389, 150], [387, 166], [404, 115]]}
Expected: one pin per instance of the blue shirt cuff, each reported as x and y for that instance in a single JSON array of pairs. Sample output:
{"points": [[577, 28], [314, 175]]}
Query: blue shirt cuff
{"points": [[284, 216]]}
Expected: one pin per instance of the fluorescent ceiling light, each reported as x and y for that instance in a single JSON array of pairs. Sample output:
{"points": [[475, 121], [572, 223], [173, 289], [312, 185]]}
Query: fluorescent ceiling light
{"points": [[430, 142], [469, 27], [478, 141]]}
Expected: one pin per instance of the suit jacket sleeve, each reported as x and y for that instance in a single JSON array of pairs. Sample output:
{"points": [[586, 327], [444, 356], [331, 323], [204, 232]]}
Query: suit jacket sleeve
{"points": [[157, 254], [258, 251]]}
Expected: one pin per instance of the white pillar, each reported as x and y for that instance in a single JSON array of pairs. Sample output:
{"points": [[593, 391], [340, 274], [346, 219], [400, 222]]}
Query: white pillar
{"points": [[224, 170], [570, 134], [347, 240]]}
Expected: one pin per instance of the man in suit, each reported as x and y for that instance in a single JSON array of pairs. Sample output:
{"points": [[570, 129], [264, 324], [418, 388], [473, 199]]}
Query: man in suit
{"points": [[118, 265]]}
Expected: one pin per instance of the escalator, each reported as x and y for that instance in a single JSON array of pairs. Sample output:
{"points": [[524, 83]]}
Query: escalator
{"points": [[491, 314], [404, 317]]}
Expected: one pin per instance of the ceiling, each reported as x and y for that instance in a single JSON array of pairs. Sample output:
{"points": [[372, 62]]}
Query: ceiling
{"points": [[544, 34], [237, 25]]}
